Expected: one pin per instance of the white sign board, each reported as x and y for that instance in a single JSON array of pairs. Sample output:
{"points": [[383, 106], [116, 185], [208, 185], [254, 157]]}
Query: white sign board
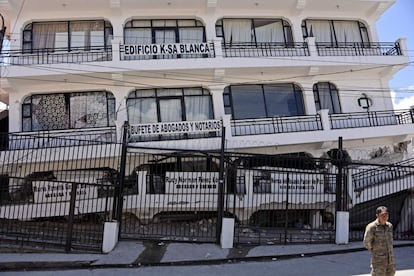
{"points": [[175, 127], [297, 183], [166, 49], [191, 182], [49, 191]]}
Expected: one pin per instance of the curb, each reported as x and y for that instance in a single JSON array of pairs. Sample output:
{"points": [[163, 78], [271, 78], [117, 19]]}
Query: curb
{"points": [[62, 265]]}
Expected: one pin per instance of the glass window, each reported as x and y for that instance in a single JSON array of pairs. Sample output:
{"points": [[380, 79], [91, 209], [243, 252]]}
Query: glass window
{"points": [[263, 101], [169, 105], [67, 35], [163, 31], [326, 97], [254, 30], [68, 111], [335, 31]]}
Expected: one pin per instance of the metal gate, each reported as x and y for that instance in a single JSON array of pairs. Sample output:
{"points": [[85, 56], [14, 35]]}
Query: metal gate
{"points": [[170, 195]]}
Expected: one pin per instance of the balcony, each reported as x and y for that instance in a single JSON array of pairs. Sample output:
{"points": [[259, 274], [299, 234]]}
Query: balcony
{"points": [[210, 50]]}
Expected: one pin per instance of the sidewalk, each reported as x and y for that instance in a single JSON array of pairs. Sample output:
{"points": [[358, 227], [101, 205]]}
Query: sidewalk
{"points": [[137, 253]]}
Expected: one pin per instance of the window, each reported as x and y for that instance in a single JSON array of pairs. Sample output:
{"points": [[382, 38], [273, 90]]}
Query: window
{"points": [[335, 31], [254, 31], [162, 31], [67, 35], [169, 105], [68, 111], [326, 97], [263, 101]]}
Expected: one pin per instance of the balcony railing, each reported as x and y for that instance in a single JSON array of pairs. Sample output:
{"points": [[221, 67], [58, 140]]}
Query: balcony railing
{"points": [[314, 122], [358, 49], [371, 119], [265, 49], [190, 50], [276, 125], [58, 138], [56, 55]]}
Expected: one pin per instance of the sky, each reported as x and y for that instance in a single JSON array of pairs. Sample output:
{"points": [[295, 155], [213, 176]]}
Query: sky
{"points": [[398, 22]]}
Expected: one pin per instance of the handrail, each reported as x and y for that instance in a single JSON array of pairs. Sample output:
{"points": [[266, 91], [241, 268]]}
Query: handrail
{"points": [[255, 49], [358, 48], [56, 55], [371, 118]]}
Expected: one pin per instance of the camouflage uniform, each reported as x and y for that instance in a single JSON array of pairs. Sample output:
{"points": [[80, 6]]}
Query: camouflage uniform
{"points": [[379, 241]]}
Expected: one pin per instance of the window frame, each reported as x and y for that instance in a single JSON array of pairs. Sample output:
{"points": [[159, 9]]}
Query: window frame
{"points": [[28, 35], [28, 103], [363, 30], [296, 90], [286, 27], [157, 95], [332, 90]]}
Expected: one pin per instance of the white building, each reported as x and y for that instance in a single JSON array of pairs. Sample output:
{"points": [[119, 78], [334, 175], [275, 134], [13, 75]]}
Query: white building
{"points": [[283, 76], [287, 76]]}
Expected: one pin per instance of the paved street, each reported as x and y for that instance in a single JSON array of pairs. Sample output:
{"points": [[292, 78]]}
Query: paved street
{"points": [[344, 264]]}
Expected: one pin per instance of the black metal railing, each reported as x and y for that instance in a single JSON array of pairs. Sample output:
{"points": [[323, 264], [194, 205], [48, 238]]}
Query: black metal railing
{"points": [[51, 214], [58, 138], [371, 119], [371, 176], [56, 55], [166, 51], [276, 125], [358, 49], [265, 49]]}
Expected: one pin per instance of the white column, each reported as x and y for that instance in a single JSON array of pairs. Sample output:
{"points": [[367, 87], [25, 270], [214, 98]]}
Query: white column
{"points": [[110, 236], [227, 233], [342, 227]]}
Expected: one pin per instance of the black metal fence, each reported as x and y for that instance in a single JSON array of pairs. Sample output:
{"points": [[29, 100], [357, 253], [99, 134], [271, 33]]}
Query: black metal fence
{"points": [[57, 197], [60, 197]]}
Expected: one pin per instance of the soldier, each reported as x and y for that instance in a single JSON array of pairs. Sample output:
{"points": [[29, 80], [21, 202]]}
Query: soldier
{"points": [[379, 241]]}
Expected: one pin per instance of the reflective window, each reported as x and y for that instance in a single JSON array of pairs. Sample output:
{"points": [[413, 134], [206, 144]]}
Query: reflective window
{"points": [[326, 97], [263, 101]]}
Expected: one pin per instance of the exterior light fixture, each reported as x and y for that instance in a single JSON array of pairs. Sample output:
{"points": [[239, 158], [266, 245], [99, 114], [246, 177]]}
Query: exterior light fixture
{"points": [[364, 101]]}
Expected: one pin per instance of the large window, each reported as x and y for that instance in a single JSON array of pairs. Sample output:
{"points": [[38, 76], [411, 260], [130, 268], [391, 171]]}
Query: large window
{"points": [[67, 35], [169, 105], [326, 97], [68, 111], [254, 31], [163, 31], [335, 31], [263, 101]]}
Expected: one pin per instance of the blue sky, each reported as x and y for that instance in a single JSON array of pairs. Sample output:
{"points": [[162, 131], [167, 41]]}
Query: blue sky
{"points": [[398, 22]]}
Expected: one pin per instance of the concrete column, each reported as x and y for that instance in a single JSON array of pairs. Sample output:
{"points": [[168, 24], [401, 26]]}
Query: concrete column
{"points": [[342, 227], [325, 119], [227, 233], [110, 236]]}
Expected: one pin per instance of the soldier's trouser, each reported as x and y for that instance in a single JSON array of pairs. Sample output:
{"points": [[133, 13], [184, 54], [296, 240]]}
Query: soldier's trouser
{"points": [[383, 270]]}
